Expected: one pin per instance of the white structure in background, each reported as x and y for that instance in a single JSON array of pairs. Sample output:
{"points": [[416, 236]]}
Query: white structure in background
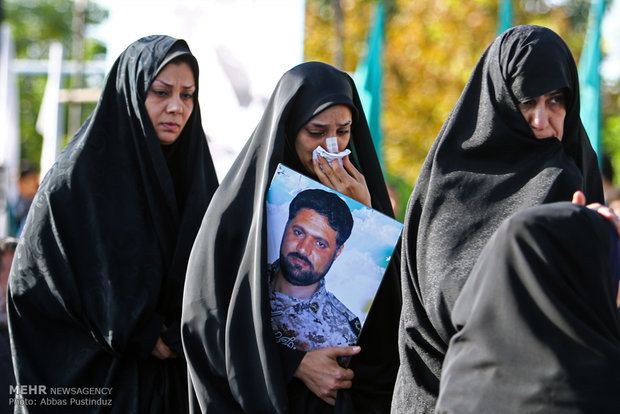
{"points": [[610, 66], [48, 122], [9, 127], [243, 47]]}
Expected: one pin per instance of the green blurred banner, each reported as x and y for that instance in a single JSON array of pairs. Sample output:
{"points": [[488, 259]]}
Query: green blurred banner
{"points": [[589, 76], [504, 16], [368, 79]]}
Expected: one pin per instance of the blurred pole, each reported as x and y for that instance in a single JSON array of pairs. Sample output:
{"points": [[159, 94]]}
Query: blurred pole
{"points": [[338, 46], [589, 77], [368, 79], [49, 122], [77, 55], [504, 16], [9, 127]]}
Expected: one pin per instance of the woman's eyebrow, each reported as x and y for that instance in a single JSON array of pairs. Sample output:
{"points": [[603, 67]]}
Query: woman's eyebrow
{"points": [[556, 92], [322, 125], [170, 85]]}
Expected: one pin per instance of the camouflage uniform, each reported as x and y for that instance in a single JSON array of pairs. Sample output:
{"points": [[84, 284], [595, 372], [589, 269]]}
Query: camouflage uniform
{"points": [[319, 321]]}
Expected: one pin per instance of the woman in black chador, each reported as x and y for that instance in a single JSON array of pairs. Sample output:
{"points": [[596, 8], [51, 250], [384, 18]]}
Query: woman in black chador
{"points": [[513, 140], [537, 320], [97, 282], [234, 362]]}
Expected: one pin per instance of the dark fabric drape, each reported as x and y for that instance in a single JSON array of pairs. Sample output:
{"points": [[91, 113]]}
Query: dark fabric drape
{"points": [[234, 362], [7, 377], [100, 267], [538, 327], [484, 165]]}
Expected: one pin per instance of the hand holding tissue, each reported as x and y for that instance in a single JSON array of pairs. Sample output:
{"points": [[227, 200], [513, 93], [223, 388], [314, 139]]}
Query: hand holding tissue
{"points": [[332, 154]]}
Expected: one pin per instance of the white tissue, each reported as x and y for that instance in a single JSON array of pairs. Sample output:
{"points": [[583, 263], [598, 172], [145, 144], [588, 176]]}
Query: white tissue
{"points": [[332, 144], [329, 156]]}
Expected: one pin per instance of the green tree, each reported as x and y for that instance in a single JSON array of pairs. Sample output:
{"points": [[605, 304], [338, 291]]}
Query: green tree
{"points": [[611, 127], [35, 24], [430, 50]]}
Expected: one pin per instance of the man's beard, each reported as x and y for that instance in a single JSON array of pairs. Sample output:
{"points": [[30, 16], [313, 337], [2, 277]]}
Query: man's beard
{"points": [[295, 275]]}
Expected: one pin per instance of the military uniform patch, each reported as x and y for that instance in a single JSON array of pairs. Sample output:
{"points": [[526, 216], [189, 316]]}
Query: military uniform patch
{"points": [[319, 321]]}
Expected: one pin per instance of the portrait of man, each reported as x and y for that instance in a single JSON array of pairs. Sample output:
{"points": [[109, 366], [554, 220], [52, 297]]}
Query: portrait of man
{"points": [[304, 315]]}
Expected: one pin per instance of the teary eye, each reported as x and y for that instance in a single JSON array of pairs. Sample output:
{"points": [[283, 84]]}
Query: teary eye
{"points": [[315, 133]]}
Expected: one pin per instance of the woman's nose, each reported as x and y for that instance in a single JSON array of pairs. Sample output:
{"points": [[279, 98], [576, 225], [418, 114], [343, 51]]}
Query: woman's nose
{"points": [[174, 105], [540, 118], [323, 143], [330, 144]]}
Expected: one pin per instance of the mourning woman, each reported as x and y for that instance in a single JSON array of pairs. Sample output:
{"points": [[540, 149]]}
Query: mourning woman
{"points": [[234, 361], [97, 281], [513, 140], [537, 320]]}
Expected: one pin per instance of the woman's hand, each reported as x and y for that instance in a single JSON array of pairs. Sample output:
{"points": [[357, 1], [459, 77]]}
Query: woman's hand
{"points": [[346, 180], [608, 213], [162, 351], [320, 371]]}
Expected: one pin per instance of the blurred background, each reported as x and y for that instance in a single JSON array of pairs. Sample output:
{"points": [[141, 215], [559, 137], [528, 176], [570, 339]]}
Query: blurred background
{"points": [[410, 60]]}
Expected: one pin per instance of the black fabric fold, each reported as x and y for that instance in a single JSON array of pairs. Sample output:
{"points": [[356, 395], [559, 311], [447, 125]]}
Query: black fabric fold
{"points": [[234, 362], [537, 325], [100, 266], [484, 165]]}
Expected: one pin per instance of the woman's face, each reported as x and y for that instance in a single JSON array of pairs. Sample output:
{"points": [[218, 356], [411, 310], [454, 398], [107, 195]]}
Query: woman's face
{"points": [[335, 121], [170, 101], [545, 114]]}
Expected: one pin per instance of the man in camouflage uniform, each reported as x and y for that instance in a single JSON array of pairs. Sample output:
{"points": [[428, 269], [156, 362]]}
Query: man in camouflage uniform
{"points": [[304, 315]]}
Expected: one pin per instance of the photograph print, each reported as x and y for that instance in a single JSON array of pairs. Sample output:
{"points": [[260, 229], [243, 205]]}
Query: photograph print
{"points": [[327, 254]]}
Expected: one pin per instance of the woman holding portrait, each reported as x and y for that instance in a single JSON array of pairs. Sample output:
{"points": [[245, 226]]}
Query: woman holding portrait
{"points": [[235, 363]]}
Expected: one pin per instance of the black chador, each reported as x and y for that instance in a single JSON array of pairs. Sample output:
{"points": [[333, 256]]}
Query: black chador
{"points": [[235, 364], [99, 271], [485, 164], [537, 322]]}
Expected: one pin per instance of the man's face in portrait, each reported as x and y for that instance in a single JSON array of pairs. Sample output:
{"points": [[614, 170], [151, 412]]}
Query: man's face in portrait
{"points": [[308, 248]]}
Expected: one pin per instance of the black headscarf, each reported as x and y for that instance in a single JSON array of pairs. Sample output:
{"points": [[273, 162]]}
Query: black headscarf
{"points": [[100, 267], [484, 165], [538, 327], [234, 362]]}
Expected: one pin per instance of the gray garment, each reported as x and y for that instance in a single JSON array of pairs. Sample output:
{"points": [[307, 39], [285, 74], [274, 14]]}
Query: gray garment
{"points": [[319, 321]]}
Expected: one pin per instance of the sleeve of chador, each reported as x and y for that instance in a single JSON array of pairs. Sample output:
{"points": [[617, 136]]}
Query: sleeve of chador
{"points": [[291, 358]]}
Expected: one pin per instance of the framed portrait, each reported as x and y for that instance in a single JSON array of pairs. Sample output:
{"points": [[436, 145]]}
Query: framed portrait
{"points": [[327, 255]]}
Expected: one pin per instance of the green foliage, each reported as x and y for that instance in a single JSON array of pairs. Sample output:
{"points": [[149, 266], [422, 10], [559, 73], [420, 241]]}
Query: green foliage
{"points": [[94, 49], [400, 191], [36, 24], [611, 132], [431, 48], [30, 95]]}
